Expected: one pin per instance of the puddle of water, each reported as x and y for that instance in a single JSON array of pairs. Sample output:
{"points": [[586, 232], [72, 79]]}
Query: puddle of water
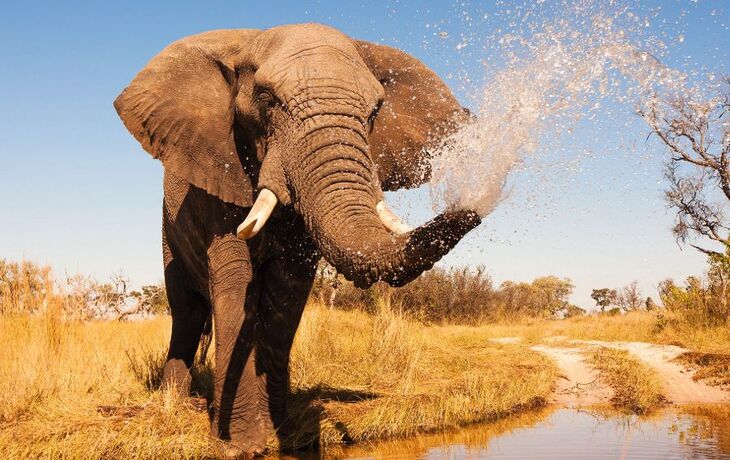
{"points": [[559, 433]]}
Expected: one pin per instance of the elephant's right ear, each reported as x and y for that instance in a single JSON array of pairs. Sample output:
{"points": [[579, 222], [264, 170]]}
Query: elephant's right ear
{"points": [[419, 110], [181, 108]]}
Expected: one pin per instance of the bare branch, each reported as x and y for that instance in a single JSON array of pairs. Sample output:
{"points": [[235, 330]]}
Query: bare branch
{"points": [[697, 168]]}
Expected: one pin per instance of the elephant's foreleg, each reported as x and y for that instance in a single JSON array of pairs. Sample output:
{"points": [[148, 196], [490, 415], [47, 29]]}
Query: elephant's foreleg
{"points": [[237, 412], [189, 311], [285, 282]]}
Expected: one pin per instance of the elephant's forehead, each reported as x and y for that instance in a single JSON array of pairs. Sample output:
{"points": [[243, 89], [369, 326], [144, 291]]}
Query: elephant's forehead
{"points": [[309, 53], [306, 35]]}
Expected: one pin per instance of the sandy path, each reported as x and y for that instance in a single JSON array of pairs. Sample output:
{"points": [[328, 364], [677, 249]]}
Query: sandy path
{"points": [[678, 384], [579, 385]]}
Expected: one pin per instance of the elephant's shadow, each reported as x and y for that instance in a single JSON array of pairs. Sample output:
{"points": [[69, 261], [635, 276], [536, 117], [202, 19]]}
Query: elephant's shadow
{"points": [[299, 432], [306, 411]]}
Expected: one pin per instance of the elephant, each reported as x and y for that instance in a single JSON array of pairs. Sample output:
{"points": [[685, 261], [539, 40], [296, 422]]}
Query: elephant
{"points": [[295, 131]]}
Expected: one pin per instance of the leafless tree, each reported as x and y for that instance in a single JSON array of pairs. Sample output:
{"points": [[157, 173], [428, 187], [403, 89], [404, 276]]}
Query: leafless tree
{"points": [[630, 297], [697, 134]]}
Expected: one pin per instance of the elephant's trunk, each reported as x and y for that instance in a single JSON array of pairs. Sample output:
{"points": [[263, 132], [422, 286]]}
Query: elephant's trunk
{"points": [[338, 199]]}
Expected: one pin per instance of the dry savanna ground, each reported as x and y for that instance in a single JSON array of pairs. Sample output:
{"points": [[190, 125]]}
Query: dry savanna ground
{"points": [[77, 389]]}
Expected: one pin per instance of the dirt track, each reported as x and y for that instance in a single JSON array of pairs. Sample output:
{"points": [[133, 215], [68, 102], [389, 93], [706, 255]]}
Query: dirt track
{"points": [[581, 386]]}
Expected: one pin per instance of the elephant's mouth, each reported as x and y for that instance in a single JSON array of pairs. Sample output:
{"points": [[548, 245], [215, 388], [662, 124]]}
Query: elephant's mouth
{"points": [[267, 201]]}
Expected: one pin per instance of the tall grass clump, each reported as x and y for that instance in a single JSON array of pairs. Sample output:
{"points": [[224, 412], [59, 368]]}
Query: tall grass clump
{"points": [[59, 377], [636, 386], [713, 368], [385, 375]]}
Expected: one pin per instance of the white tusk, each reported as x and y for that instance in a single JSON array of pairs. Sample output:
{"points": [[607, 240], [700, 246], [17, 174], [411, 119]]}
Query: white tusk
{"points": [[391, 221], [258, 215]]}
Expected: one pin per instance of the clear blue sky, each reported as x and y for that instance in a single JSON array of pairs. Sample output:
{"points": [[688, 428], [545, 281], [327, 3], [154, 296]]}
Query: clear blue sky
{"points": [[77, 192]]}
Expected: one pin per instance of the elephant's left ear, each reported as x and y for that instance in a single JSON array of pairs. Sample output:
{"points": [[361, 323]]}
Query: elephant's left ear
{"points": [[418, 111], [181, 108]]}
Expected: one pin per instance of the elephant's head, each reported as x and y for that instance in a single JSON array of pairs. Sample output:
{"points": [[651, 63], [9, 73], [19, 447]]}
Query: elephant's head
{"points": [[309, 117]]}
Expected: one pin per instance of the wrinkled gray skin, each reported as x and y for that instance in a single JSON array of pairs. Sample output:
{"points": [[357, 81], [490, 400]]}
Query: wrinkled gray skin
{"points": [[326, 123]]}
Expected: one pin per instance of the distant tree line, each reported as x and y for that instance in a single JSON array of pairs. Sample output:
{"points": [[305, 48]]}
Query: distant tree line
{"points": [[26, 287], [459, 295]]}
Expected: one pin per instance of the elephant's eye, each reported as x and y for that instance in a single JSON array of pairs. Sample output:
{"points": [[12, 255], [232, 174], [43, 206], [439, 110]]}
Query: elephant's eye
{"points": [[265, 98]]}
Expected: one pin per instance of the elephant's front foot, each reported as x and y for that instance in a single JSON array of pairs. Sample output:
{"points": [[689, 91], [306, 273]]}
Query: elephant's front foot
{"points": [[228, 450], [242, 435], [249, 445]]}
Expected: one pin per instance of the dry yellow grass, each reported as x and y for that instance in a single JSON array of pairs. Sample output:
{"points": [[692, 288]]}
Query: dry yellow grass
{"points": [[55, 374], [637, 387], [355, 377]]}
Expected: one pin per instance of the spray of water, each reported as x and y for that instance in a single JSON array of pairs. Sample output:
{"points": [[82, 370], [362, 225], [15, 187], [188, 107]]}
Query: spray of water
{"points": [[559, 72]]}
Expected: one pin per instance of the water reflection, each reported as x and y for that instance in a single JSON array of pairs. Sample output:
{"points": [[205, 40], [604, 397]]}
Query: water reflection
{"points": [[677, 432]]}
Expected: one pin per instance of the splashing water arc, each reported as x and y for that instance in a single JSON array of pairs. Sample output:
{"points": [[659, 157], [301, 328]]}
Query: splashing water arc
{"points": [[561, 73]]}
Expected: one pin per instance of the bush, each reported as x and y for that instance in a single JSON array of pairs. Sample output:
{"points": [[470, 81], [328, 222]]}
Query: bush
{"points": [[24, 287], [545, 297], [700, 302], [153, 299]]}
